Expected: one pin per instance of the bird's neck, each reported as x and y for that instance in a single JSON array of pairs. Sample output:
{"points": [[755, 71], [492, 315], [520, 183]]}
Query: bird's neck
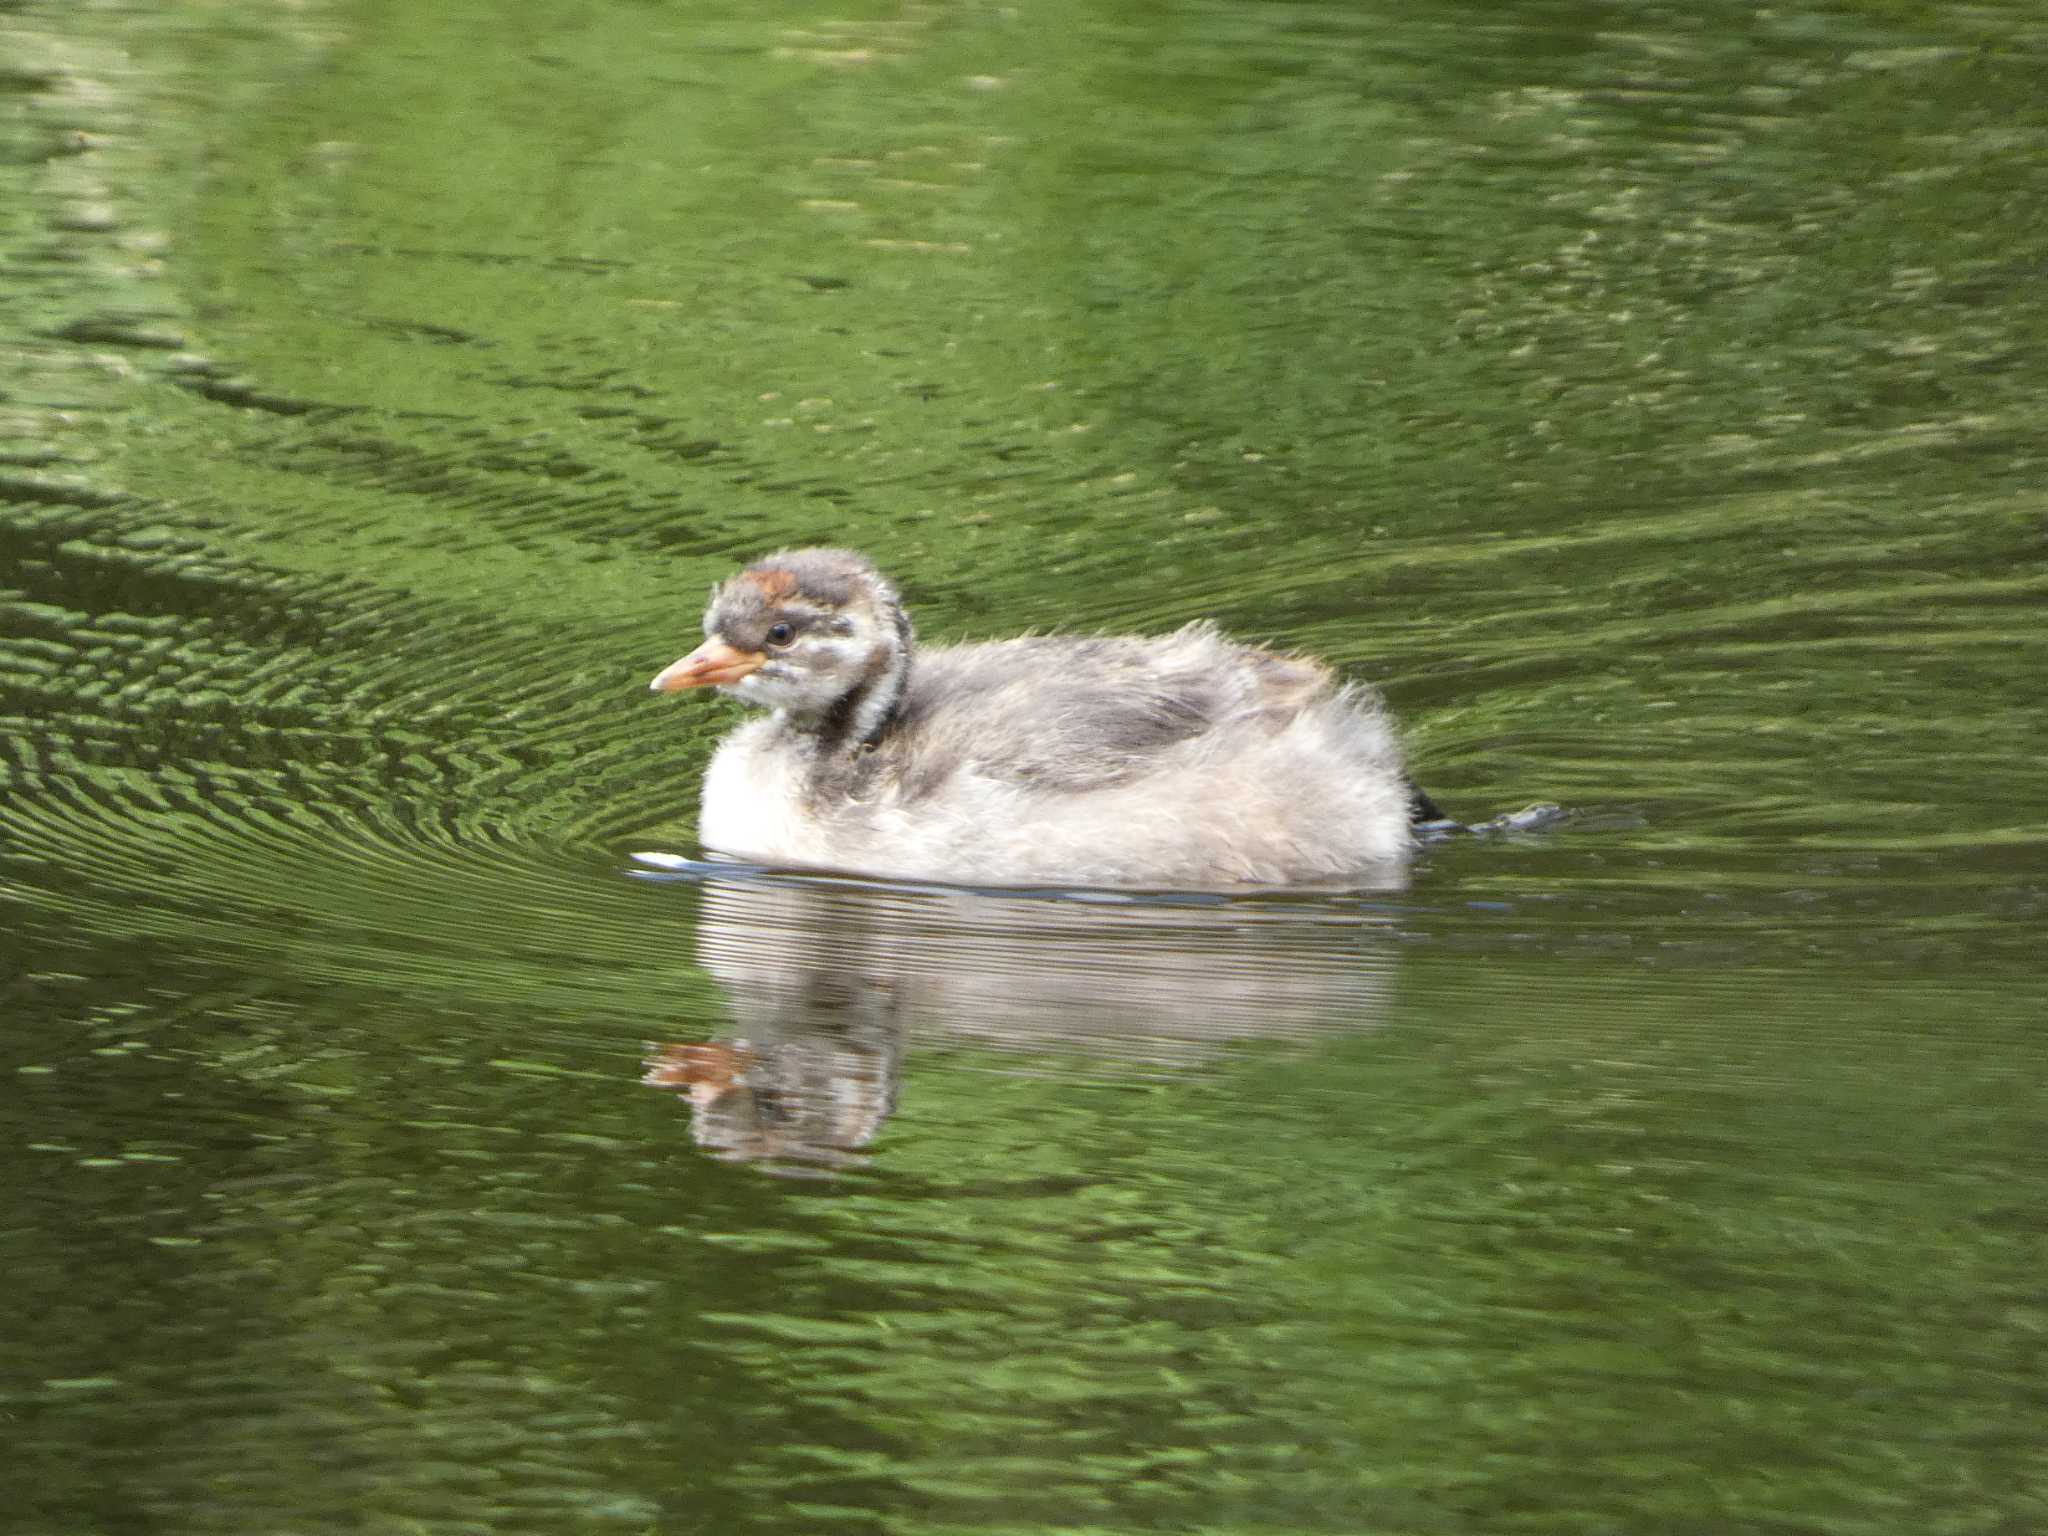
{"points": [[859, 716]]}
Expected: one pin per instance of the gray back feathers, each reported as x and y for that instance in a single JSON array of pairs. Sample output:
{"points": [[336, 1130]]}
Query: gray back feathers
{"points": [[1076, 714]]}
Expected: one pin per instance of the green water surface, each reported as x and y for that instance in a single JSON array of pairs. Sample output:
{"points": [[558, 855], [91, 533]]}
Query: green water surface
{"points": [[1650, 400]]}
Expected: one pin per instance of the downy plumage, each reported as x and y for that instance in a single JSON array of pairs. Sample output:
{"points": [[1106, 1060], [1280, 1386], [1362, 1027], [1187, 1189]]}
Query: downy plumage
{"points": [[1173, 760]]}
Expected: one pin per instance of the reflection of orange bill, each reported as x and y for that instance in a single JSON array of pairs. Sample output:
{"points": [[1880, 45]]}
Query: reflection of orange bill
{"points": [[708, 1072]]}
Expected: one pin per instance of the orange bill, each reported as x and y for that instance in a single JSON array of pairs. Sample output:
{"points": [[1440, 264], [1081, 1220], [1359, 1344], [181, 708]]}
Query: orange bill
{"points": [[711, 664]]}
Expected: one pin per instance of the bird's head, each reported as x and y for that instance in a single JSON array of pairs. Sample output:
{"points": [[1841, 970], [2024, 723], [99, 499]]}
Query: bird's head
{"points": [[804, 631]]}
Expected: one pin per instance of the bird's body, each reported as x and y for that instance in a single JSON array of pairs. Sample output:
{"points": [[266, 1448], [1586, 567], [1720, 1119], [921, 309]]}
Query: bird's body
{"points": [[1176, 760]]}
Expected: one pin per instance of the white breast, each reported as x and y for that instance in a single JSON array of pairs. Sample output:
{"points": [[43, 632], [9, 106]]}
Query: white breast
{"points": [[753, 804]]}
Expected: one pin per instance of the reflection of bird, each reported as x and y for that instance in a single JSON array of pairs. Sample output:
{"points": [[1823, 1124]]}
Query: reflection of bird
{"points": [[828, 985], [1181, 759]]}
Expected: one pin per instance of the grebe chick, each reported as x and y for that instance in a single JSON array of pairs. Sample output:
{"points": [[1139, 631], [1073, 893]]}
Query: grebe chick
{"points": [[1180, 760]]}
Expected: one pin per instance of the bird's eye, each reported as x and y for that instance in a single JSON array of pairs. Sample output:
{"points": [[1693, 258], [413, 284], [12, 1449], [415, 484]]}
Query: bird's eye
{"points": [[780, 634]]}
